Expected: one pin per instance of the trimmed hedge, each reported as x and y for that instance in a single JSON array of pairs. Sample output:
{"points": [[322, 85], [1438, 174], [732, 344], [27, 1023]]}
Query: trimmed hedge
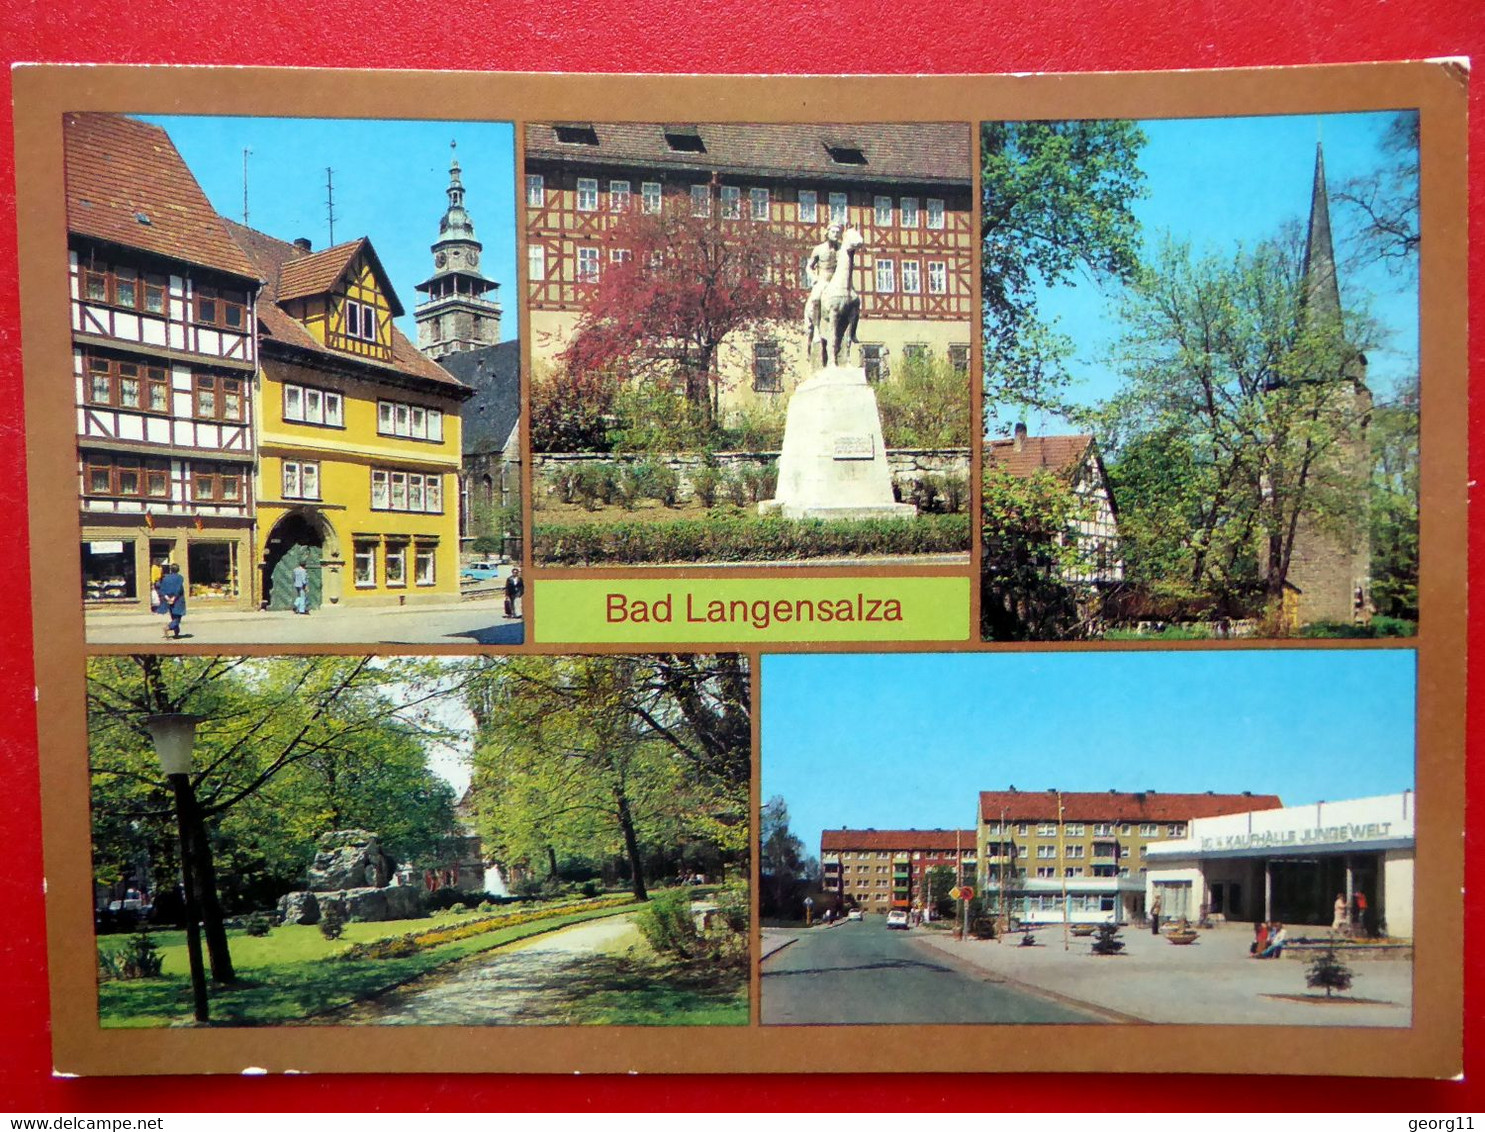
{"points": [[399, 947], [747, 538]]}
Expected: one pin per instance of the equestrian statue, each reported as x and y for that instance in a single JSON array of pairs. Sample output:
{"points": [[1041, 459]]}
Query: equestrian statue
{"points": [[833, 307]]}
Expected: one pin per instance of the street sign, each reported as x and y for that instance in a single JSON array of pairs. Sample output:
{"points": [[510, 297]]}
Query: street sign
{"points": [[964, 892]]}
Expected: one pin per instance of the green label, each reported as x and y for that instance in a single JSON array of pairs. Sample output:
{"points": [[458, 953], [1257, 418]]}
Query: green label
{"points": [[751, 610]]}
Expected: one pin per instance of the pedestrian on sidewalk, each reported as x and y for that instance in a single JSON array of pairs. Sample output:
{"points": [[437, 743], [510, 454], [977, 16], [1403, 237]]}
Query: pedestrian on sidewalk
{"points": [[1260, 939], [1276, 941], [172, 587], [301, 588], [1341, 921], [515, 586], [1155, 916]]}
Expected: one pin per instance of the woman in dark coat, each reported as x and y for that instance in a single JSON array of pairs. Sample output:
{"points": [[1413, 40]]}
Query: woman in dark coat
{"points": [[172, 587]]}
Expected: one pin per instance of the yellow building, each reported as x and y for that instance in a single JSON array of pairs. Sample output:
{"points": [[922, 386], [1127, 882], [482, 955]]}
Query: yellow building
{"points": [[358, 438]]}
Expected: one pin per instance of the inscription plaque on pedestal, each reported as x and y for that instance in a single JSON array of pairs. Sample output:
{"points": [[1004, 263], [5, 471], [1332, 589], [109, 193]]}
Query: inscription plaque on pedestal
{"points": [[854, 448]]}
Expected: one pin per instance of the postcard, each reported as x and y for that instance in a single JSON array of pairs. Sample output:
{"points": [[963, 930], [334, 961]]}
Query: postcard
{"points": [[561, 573]]}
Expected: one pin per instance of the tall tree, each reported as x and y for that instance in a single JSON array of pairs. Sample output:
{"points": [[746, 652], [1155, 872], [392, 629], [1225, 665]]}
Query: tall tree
{"points": [[1056, 200], [1395, 500], [1263, 393], [1384, 203], [671, 287], [783, 859]]}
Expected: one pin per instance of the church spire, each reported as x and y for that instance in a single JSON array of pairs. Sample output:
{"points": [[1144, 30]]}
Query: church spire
{"points": [[1322, 292], [460, 311]]}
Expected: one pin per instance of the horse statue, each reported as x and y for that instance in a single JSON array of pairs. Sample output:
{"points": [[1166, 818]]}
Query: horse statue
{"points": [[831, 318]]}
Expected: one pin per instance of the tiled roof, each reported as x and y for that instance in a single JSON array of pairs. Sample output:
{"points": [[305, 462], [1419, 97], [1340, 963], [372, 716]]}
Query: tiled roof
{"points": [[494, 373], [833, 840], [1027, 805], [121, 169], [272, 256], [1060, 455], [925, 152]]}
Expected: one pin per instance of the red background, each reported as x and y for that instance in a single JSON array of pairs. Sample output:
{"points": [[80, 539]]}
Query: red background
{"points": [[725, 36]]}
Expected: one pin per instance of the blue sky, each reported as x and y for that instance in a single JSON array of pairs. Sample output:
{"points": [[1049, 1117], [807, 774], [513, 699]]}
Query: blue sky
{"points": [[390, 179], [1221, 182], [908, 740]]}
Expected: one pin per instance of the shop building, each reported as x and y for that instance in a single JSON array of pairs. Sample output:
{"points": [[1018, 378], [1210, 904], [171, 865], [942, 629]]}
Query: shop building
{"points": [[1290, 864], [882, 869], [359, 434], [1049, 856], [162, 307], [906, 188]]}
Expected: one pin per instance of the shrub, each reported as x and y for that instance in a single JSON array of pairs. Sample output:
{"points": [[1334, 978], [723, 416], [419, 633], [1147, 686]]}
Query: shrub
{"points": [[1376, 627], [668, 926], [594, 484], [955, 493], [591, 888], [706, 481], [258, 924], [487, 544], [529, 888], [1329, 972], [1107, 941], [735, 487], [332, 919], [139, 958], [650, 479]]}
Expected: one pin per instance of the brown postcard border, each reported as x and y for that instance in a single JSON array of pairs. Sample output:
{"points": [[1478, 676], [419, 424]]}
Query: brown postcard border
{"points": [[1430, 1047]]}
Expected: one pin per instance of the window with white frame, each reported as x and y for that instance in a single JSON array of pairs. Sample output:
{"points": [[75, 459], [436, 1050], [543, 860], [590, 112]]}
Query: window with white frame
{"points": [[1073, 829], [649, 197], [304, 404], [536, 262], [935, 213], [364, 565], [909, 212], [1046, 852], [809, 206], [396, 563], [1149, 829], [886, 276], [301, 479], [701, 200], [882, 211], [417, 422], [1022, 829], [587, 194], [938, 277], [1046, 829], [423, 564], [394, 490], [731, 197], [620, 255], [1176, 830], [758, 204], [360, 321], [587, 265], [1103, 829], [910, 278], [1045, 872], [1073, 852], [838, 208], [536, 190], [1072, 872], [618, 196]]}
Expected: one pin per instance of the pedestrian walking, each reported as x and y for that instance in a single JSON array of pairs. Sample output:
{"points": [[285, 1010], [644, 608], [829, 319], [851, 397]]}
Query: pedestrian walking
{"points": [[1341, 920], [515, 586], [1155, 916], [172, 587], [301, 588]]}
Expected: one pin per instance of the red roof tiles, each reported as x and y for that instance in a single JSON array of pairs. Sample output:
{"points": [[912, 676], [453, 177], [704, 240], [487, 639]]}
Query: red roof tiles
{"points": [[120, 170], [1147, 806], [898, 839], [921, 152], [1060, 455]]}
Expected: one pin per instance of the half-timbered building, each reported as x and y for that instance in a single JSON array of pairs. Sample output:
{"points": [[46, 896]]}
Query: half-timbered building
{"points": [[906, 188], [359, 434], [162, 316]]}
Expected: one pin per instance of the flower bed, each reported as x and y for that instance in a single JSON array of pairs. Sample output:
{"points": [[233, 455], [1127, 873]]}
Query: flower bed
{"points": [[747, 538], [401, 946]]}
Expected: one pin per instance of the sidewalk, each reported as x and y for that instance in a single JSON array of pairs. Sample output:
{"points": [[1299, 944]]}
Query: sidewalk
{"points": [[1210, 981], [475, 619]]}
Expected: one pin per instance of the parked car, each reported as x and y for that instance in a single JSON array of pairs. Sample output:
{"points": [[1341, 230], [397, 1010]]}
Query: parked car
{"points": [[482, 571], [854, 914], [897, 918]]}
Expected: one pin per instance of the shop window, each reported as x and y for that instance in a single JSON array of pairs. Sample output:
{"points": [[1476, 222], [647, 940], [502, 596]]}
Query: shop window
{"points": [[212, 569], [365, 564], [108, 570]]}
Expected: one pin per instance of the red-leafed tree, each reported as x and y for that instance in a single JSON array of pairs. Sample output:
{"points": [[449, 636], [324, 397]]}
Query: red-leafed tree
{"points": [[672, 287]]}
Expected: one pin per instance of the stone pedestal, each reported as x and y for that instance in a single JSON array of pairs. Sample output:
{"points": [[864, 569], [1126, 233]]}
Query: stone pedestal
{"points": [[834, 464]]}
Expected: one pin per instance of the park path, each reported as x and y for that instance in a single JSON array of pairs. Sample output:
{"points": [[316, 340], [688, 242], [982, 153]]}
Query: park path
{"points": [[521, 982]]}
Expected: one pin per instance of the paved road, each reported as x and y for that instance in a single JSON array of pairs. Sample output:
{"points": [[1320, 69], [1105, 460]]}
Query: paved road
{"points": [[477, 621], [861, 972]]}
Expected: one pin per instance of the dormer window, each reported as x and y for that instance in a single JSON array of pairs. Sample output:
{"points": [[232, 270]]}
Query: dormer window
{"points": [[576, 133], [845, 152], [684, 139], [360, 321]]}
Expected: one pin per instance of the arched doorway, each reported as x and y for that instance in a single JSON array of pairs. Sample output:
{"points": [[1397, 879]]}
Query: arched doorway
{"points": [[296, 538]]}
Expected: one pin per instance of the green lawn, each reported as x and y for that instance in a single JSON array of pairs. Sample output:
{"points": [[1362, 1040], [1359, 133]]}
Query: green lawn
{"points": [[292, 973]]}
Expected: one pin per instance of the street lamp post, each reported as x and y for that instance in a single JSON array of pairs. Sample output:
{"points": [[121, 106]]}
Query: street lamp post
{"points": [[174, 737]]}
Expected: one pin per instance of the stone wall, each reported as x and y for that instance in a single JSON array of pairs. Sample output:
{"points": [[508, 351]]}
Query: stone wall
{"points": [[909, 465]]}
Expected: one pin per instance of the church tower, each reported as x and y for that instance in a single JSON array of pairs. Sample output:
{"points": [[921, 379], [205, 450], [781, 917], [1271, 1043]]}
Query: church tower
{"points": [[460, 311], [1329, 576]]}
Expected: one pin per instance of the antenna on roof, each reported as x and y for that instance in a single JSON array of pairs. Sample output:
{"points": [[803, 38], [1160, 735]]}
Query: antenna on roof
{"points": [[330, 201], [245, 152]]}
